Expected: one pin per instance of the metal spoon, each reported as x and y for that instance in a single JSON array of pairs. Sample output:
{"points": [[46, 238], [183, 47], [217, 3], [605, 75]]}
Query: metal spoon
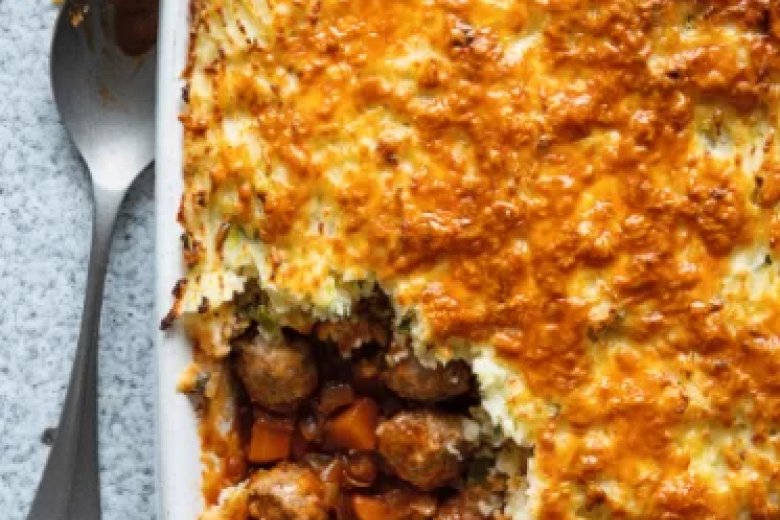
{"points": [[106, 102]]}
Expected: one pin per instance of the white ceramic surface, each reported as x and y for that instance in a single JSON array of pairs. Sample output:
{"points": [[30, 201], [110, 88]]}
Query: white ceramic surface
{"points": [[178, 466]]}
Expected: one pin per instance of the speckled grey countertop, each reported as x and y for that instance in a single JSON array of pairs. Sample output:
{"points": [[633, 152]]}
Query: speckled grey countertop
{"points": [[44, 240]]}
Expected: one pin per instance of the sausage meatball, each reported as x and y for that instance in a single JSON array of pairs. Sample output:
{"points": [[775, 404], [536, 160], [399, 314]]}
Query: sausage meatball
{"points": [[425, 448], [349, 335], [407, 377], [286, 492], [400, 503], [276, 375]]}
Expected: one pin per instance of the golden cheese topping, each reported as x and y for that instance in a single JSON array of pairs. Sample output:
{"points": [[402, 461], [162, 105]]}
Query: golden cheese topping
{"points": [[580, 197]]}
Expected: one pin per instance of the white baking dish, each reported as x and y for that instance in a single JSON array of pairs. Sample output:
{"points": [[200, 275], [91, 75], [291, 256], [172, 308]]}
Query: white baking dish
{"points": [[178, 448]]}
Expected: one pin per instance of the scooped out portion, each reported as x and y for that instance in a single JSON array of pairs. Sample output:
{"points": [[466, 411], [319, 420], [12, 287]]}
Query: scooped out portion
{"points": [[346, 423]]}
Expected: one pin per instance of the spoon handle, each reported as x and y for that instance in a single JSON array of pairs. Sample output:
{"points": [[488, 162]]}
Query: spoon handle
{"points": [[70, 486]]}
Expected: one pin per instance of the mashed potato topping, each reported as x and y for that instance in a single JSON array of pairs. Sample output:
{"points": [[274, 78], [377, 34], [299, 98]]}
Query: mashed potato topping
{"points": [[578, 197]]}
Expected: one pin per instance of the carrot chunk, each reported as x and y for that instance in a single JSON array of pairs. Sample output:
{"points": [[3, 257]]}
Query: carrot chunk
{"points": [[355, 427], [370, 508], [271, 441]]}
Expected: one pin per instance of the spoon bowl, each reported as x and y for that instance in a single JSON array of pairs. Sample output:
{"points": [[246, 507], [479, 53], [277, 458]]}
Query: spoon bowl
{"points": [[105, 98], [106, 102]]}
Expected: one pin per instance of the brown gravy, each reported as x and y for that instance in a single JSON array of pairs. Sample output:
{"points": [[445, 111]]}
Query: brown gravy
{"points": [[135, 25]]}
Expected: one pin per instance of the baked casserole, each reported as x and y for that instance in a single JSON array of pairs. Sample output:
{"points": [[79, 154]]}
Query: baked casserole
{"points": [[484, 259]]}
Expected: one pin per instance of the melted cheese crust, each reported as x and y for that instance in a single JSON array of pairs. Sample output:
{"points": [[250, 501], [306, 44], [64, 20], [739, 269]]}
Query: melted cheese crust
{"points": [[579, 196]]}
